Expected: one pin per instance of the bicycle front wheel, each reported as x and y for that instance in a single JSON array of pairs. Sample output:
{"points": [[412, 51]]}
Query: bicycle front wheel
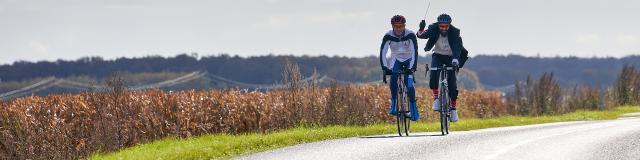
{"points": [[405, 112], [400, 123], [443, 121], [403, 121], [444, 113]]}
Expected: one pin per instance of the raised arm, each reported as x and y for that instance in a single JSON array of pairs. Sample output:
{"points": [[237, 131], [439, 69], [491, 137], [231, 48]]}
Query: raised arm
{"points": [[425, 34]]}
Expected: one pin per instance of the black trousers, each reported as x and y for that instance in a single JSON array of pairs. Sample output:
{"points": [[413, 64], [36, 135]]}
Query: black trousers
{"points": [[437, 60]]}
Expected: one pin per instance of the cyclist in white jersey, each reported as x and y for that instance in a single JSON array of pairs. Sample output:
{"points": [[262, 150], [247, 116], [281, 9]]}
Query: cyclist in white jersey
{"points": [[404, 53]]}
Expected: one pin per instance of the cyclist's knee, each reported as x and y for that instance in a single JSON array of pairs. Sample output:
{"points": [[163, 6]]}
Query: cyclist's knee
{"points": [[453, 86]]}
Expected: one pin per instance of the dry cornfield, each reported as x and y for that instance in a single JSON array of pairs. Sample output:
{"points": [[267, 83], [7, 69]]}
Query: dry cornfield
{"points": [[74, 126]]}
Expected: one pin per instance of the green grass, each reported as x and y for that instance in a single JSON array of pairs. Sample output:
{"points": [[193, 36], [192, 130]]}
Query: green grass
{"points": [[224, 146]]}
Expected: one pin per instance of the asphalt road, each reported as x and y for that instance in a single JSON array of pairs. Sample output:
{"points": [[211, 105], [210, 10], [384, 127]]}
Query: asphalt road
{"points": [[612, 139]]}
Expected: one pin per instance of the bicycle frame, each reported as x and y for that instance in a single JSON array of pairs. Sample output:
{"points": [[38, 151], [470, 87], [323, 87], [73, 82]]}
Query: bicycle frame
{"points": [[443, 97]]}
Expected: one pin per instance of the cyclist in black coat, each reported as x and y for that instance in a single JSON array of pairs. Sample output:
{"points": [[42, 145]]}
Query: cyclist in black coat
{"points": [[445, 42]]}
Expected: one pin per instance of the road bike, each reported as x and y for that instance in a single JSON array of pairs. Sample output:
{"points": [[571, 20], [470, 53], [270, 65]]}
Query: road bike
{"points": [[403, 118], [444, 99]]}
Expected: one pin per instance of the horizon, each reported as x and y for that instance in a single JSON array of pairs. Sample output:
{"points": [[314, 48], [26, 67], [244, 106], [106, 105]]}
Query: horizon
{"points": [[199, 56], [72, 29]]}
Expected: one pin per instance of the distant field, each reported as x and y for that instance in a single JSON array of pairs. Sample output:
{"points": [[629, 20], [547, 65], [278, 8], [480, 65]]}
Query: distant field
{"points": [[175, 81]]}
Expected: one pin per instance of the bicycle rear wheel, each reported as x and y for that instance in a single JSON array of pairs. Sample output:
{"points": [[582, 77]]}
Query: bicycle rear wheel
{"points": [[407, 126], [447, 122], [403, 121], [400, 123], [407, 122]]}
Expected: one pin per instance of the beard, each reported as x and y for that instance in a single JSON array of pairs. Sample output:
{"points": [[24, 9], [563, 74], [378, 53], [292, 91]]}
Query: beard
{"points": [[443, 33]]}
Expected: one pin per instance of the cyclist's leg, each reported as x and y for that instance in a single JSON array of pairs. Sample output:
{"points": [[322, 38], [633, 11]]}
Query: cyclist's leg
{"points": [[411, 92], [434, 76], [453, 92], [453, 88], [393, 85], [411, 89]]}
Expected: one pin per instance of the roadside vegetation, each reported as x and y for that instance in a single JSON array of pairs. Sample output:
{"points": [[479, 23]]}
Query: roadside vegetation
{"points": [[224, 146]]}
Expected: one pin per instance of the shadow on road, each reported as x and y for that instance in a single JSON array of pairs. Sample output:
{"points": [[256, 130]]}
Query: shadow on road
{"points": [[387, 136]]}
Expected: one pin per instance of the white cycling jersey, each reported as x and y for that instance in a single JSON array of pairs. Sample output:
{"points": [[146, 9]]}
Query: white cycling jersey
{"points": [[402, 48]]}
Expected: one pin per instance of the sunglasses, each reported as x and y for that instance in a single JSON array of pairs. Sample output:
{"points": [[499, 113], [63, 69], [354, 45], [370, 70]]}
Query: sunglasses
{"points": [[444, 26]]}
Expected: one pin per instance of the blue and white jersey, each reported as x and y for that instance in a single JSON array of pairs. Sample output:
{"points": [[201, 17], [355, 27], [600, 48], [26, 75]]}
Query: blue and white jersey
{"points": [[402, 48]]}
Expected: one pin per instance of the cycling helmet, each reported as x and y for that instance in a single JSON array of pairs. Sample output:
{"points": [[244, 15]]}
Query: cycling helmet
{"points": [[444, 18], [398, 19]]}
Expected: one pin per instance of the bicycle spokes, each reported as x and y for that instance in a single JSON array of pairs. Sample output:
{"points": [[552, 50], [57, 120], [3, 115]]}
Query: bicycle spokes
{"points": [[403, 122]]}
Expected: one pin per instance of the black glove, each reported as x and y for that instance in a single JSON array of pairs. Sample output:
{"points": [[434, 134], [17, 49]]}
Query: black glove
{"points": [[386, 71], [422, 25], [384, 79]]}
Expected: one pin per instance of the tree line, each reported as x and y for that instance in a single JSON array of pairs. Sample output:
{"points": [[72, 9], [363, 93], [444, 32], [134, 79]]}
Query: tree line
{"points": [[494, 71]]}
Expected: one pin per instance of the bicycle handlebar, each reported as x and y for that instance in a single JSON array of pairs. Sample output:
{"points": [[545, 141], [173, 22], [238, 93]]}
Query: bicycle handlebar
{"points": [[439, 68], [403, 71]]}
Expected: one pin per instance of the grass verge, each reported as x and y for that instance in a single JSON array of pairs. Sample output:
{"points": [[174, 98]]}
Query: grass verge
{"points": [[224, 146]]}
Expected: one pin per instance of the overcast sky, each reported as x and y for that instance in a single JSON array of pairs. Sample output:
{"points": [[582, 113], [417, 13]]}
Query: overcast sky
{"points": [[69, 29]]}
